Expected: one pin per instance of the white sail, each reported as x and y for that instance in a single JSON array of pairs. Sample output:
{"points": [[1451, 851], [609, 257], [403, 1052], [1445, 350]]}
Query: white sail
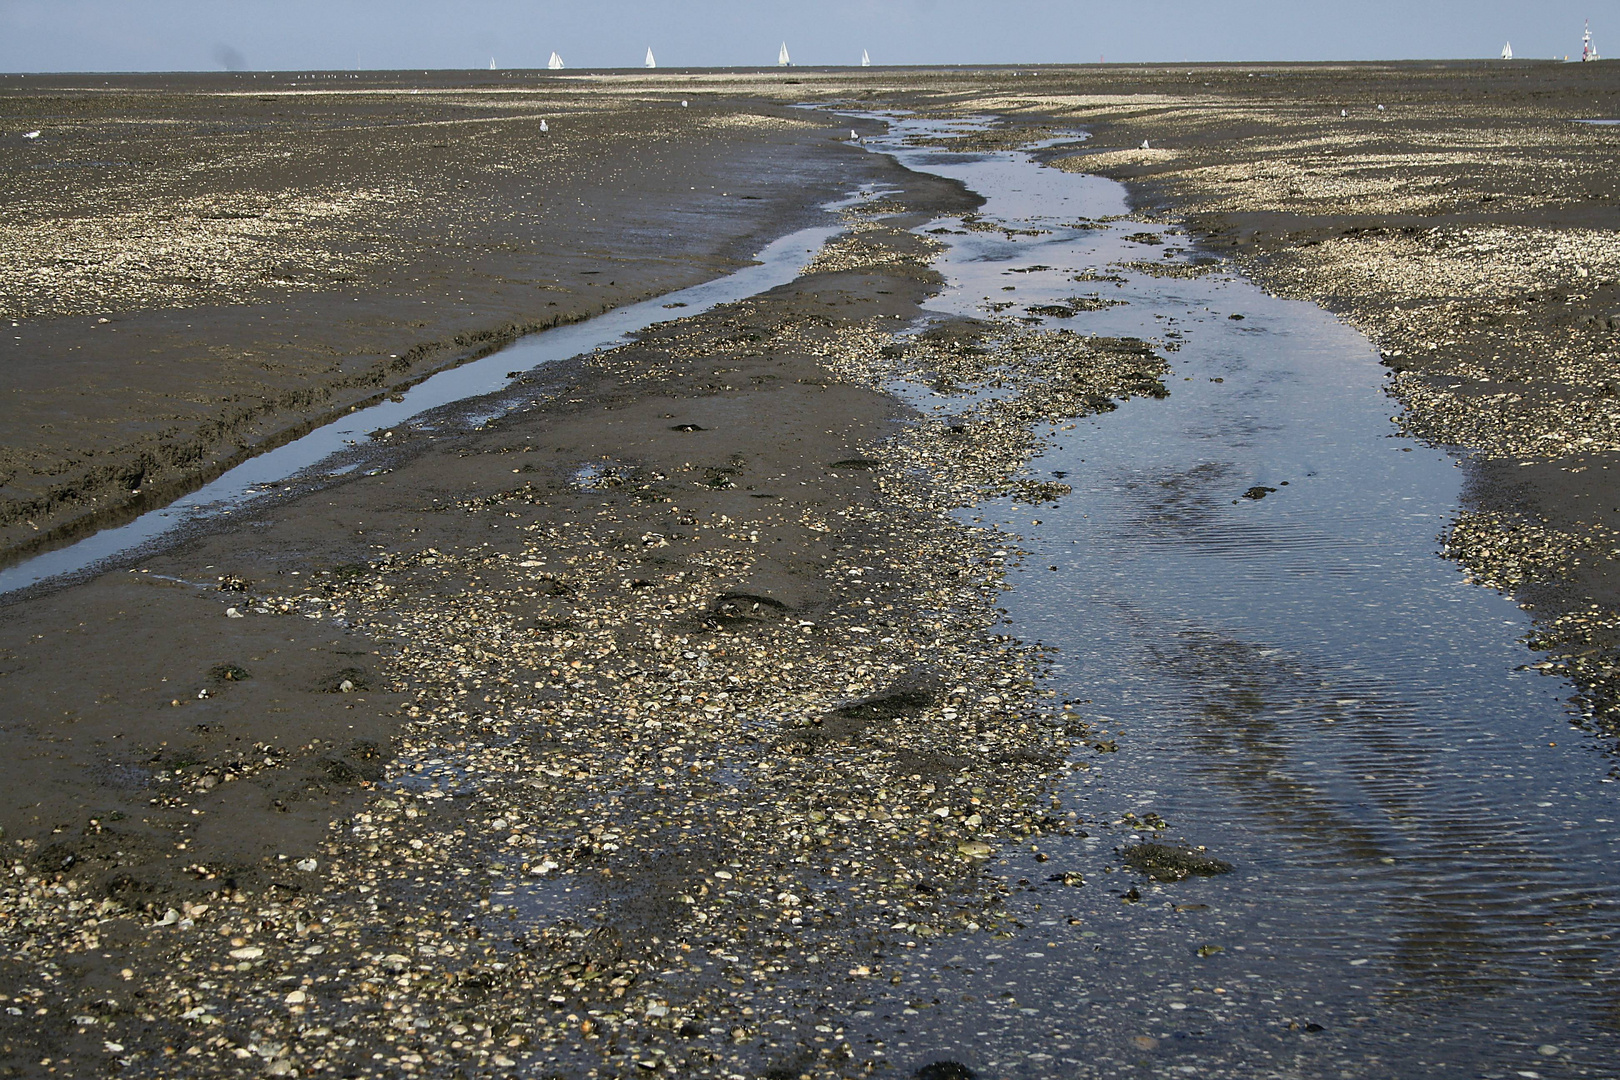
{"points": [[555, 63], [782, 57], [650, 61], [492, 63], [1507, 51], [866, 61]]}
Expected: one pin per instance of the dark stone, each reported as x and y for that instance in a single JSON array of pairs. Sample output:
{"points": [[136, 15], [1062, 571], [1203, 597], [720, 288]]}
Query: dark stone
{"points": [[341, 772], [1258, 492], [887, 707], [1165, 862], [945, 1070]]}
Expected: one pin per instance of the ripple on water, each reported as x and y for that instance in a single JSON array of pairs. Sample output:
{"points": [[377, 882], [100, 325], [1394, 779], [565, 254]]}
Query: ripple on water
{"points": [[1426, 880]]}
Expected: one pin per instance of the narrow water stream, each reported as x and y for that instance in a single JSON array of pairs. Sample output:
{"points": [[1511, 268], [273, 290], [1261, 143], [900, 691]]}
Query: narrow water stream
{"points": [[322, 452], [1425, 876]]}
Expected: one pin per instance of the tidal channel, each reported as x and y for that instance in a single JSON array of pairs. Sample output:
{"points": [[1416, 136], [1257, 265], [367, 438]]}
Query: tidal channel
{"points": [[1250, 608]]}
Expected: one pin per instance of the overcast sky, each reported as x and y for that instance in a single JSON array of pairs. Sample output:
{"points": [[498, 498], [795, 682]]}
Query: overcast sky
{"points": [[163, 35]]}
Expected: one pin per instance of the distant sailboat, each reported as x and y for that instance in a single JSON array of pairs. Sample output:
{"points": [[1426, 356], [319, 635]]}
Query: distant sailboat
{"points": [[555, 63], [650, 61], [1507, 51], [782, 57], [1588, 52], [492, 63], [866, 61]]}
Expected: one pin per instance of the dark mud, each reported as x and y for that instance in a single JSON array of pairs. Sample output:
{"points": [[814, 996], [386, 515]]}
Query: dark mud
{"points": [[199, 268], [524, 715], [592, 802]]}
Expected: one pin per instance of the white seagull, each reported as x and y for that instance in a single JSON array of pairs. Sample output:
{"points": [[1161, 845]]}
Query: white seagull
{"points": [[544, 126]]}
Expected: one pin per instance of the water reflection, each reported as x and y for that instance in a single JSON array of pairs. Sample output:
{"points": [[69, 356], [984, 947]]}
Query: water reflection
{"points": [[1250, 607], [318, 454]]}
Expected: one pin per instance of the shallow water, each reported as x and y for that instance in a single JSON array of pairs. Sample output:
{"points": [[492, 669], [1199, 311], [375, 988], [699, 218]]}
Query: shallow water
{"points": [[321, 453], [1425, 881]]}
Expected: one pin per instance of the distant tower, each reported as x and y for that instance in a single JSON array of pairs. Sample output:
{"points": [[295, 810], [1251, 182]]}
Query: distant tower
{"points": [[1587, 51]]}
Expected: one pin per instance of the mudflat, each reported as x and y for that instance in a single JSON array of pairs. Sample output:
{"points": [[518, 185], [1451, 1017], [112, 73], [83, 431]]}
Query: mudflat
{"points": [[197, 267], [634, 729]]}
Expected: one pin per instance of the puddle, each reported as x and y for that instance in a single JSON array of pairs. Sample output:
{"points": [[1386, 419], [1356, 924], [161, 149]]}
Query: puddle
{"points": [[318, 455], [1251, 610]]}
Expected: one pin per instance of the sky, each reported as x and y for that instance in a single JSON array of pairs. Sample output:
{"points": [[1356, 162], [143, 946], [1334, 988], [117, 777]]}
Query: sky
{"points": [[263, 35]]}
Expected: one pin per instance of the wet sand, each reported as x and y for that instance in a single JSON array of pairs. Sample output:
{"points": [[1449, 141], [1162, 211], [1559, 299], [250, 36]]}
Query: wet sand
{"points": [[196, 268], [576, 623]]}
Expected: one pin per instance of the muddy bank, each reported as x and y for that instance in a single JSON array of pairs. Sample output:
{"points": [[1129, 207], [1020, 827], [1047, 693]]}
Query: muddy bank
{"points": [[629, 732], [638, 731], [193, 269]]}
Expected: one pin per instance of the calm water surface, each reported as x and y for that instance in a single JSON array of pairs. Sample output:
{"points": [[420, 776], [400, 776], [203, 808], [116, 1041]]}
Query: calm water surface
{"points": [[1426, 879], [325, 452]]}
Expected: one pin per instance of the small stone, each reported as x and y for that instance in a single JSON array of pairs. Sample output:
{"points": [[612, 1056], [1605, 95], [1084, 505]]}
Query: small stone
{"points": [[945, 1070], [306, 865], [250, 952]]}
